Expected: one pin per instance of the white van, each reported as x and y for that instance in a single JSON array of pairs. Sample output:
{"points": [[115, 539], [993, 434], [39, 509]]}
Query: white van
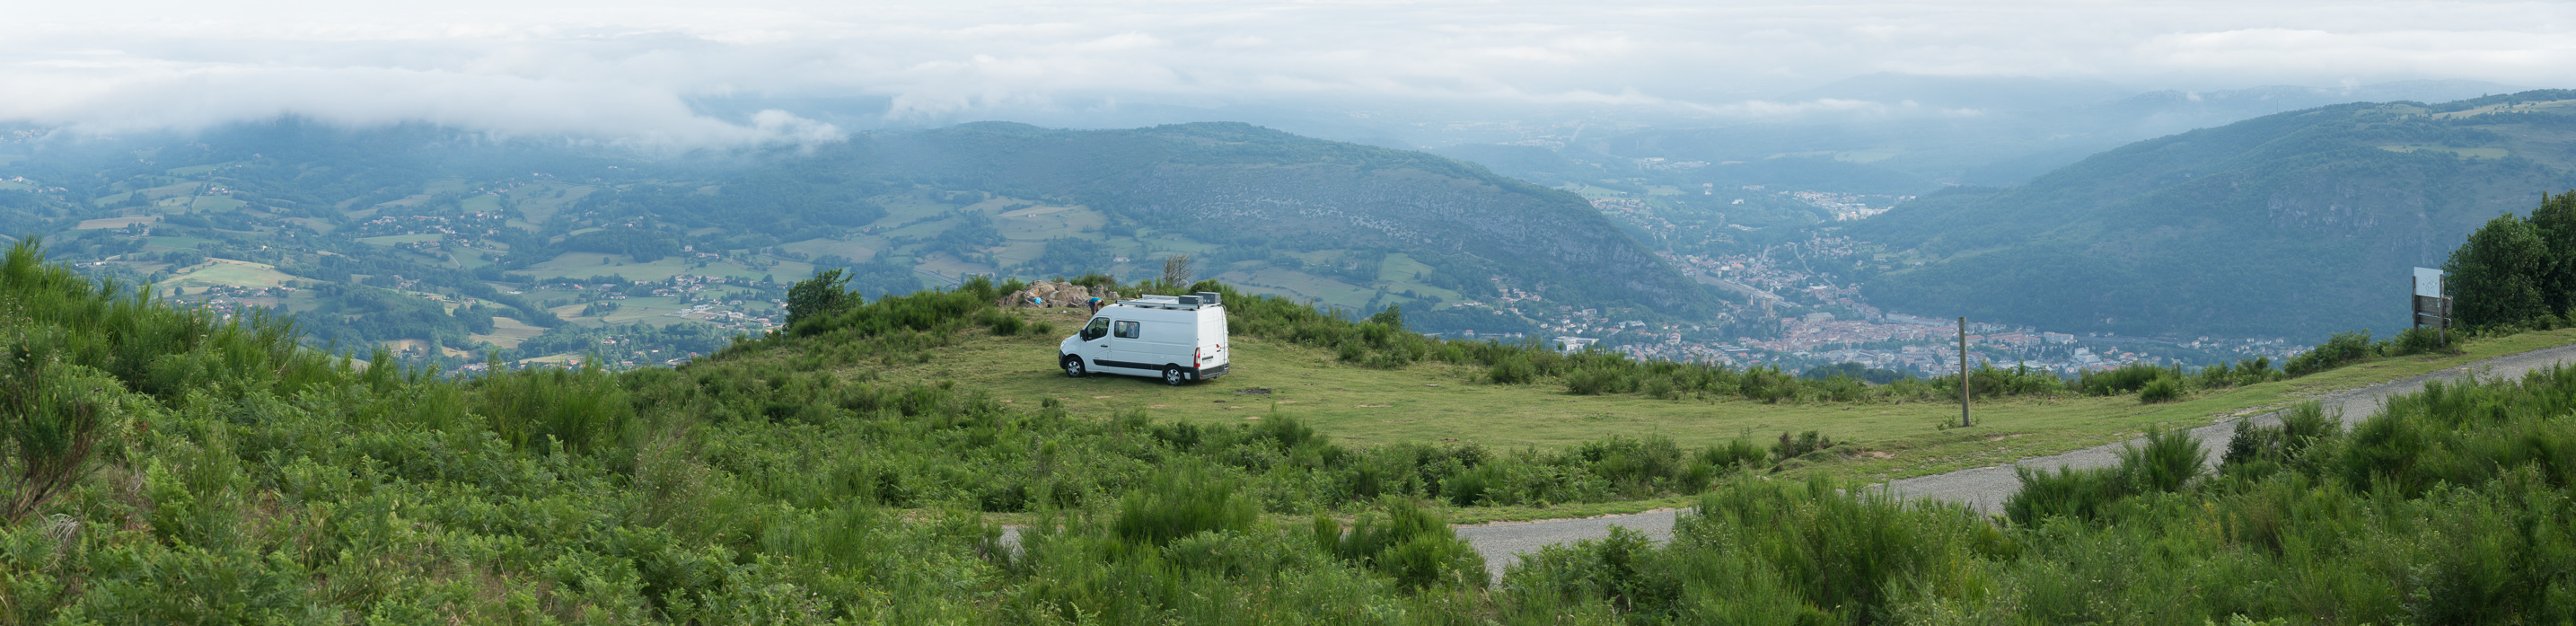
{"points": [[1178, 338]]}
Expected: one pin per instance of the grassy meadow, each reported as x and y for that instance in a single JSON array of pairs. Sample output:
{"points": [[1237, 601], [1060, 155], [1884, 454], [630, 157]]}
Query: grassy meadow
{"points": [[1432, 403]]}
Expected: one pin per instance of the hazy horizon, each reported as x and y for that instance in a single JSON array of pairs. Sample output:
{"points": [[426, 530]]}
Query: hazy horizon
{"points": [[678, 74]]}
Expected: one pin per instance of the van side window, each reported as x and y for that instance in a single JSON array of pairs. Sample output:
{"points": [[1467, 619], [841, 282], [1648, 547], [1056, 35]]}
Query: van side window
{"points": [[1099, 327], [1129, 330]]}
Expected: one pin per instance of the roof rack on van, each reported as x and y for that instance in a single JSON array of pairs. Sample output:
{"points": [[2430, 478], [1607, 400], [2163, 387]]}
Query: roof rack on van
{"points": [[1188, 302]]}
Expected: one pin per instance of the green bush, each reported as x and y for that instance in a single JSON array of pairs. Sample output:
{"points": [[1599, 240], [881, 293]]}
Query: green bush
{"points": [[2124, 379], [2416, 341], [1413, 546], [1799, 446], [1181, 503], [2164, 389], [2169, 462], [2342, 349]]}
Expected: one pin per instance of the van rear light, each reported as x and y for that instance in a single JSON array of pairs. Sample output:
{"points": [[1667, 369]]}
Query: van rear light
{"points": [[1195, 355]]}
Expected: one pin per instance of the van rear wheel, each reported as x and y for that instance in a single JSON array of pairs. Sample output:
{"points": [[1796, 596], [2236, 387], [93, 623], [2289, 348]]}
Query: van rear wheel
{"points": [[1172, 376], [1073, 367]]}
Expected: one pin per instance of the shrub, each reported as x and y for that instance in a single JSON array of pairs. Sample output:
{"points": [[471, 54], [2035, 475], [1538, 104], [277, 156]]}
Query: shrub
{"points": [[2168, 463], [1179, 503], [2416, 341], [1411, 545], [1511, 370], [55, 415], [2125, 379], [2163, 389], [2341, 349], [1801, 445], [1735, 453]]}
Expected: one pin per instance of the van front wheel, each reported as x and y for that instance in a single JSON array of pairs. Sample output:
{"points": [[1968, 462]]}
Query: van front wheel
{"points": [[1073, 367], [1172, 376]]}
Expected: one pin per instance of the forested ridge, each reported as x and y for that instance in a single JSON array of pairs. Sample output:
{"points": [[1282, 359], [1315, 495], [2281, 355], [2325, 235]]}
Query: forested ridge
{"points": [[448, 244], [2291, 224]]}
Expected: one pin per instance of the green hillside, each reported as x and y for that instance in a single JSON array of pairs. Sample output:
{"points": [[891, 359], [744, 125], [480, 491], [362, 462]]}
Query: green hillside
{"points": [[448, 245], [167, 466], [2297, 224]]}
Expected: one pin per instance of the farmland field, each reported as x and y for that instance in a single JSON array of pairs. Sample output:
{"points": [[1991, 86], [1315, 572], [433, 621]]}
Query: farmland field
{"points": [[851, 250], [508, 333], [114, 222], [229, 273], [391, 240]]}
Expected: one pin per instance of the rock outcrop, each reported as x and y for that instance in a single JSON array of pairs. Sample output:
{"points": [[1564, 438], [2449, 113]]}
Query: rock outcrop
{"points": [[1048, 294]]}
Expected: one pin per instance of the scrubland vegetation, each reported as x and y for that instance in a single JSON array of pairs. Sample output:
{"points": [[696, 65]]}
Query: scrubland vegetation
{"points": [[164, 465]]}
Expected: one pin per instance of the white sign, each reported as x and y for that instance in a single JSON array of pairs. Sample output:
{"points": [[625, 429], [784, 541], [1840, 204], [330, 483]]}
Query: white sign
{"points": [[2428, 282]]}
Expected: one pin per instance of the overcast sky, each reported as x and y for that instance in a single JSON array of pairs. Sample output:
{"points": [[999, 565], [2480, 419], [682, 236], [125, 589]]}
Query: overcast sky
{"points": [[633, 69]]}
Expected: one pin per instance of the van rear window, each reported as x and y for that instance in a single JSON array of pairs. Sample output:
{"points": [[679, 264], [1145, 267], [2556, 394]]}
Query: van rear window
{"points": [[1129, 330]]}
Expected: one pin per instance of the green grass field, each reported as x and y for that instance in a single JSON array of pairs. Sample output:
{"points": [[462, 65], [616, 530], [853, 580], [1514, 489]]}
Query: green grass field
{"points": [[114, 222], [392, 240], [508, 333], [1435, 402], [581, 265], [852, 250], [1037, 223], [176, 243], [214, 204], [228, 273]]}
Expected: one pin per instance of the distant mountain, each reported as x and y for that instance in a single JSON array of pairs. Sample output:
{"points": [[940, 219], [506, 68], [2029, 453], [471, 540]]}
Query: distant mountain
{"points": [[1258, 203], [450, 244], [1992, 131], [1987, 93], [2298, 224]]}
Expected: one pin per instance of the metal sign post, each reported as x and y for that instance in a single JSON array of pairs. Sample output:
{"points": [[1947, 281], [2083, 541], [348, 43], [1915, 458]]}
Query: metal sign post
{"points": [[1963, 372], [2431, 307]]}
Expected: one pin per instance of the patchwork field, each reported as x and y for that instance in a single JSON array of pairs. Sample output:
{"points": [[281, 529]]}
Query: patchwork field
{"points": [[392, 240], [851, 250], [508, 333], [109, 223], [228, 273]]}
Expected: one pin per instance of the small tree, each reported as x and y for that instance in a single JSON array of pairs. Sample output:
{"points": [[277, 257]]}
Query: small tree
{"points": [[1392, 317], [1176, 270], [821, 296], [54, 414], [2497, 277], [2555, 221]]}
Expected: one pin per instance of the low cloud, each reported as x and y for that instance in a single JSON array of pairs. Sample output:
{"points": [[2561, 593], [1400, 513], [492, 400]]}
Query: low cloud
{"points": [[629, 72]]}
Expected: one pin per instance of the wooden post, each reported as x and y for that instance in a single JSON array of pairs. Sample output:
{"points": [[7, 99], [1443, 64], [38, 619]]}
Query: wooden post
{"points": [[1963, 372]]}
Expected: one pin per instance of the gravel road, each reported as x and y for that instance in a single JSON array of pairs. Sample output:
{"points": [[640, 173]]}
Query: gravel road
{"points": [[1985, 488]]}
